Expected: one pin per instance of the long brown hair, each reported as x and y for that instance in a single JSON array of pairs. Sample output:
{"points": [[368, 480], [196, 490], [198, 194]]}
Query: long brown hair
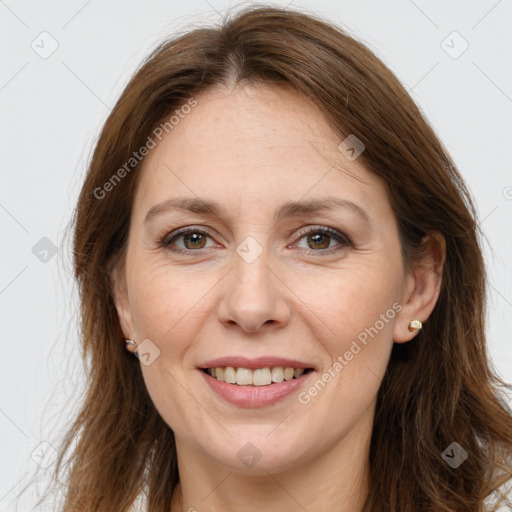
{"points": [[438, 389]]}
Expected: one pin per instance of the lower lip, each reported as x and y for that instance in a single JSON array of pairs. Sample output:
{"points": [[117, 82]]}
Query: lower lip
{"points": [[255, 396]]}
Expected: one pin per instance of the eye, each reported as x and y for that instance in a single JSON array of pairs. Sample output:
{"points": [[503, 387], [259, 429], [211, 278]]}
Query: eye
{"points": [[318, 239], [192, 239]]}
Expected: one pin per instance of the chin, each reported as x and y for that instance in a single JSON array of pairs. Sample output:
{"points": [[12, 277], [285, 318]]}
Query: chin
{"points": [[257, 453]]}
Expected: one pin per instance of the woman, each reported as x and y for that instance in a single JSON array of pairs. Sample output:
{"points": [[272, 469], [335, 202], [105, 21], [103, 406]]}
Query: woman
{"points": [[274, 231]]}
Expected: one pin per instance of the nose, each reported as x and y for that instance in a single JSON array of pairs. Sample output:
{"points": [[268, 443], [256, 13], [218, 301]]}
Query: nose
{"points": [[254, 296]]}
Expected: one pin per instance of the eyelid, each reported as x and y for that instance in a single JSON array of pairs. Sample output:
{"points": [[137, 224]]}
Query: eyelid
{"points": [[166, 240], [341, 237]]}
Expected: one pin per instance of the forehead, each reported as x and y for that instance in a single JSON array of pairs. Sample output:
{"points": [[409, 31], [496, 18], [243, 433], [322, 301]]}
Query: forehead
{"points": [[253, 146]]}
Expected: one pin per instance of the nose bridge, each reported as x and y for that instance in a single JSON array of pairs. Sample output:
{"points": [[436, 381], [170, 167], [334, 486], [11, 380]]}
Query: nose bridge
{"points": [[251, 270], [253, 294]]}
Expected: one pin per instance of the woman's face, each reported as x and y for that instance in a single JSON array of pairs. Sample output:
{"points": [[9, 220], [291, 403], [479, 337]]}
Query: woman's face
{"points": [[259, 276]]}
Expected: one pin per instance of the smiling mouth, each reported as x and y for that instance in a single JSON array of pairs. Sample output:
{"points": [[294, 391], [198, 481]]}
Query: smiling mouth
{"points": [[257, 377]]}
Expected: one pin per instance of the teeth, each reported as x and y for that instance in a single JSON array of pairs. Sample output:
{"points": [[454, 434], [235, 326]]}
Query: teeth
{"points": [[229, 375], [261, 377], [288, 374], [243, 376], [257, 377], [277, 374]]}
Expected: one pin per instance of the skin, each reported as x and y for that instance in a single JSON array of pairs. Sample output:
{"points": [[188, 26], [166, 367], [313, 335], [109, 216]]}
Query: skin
{"points": [[305, 297]]}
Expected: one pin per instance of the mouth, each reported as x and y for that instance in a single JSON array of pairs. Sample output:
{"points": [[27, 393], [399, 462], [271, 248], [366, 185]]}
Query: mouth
{"points": [[256, 377], [255, 387], [258, 381]]}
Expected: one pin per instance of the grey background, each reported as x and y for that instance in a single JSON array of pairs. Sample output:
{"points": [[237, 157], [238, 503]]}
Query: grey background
{"points": [[52, 109]]}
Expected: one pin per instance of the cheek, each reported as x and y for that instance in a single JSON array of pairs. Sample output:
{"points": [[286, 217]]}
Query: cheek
{"points": [[348, 305], [168, 308], [358, 310], [165, 299]]}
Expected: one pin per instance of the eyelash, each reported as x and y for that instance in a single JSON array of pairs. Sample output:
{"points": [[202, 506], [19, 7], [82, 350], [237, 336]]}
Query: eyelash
{"points": [[167, 240]]}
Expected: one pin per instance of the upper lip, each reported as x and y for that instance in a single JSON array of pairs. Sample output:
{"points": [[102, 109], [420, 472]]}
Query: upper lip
{"points": [[258, 362]]}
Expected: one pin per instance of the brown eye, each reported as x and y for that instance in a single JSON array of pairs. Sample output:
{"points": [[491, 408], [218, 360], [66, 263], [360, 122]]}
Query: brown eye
{"points": [[186, 240], [194, 240], [320, 240]]}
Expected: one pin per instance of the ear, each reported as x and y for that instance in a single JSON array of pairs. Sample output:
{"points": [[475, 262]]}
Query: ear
{"points": [[421, 287], [120, 293]]}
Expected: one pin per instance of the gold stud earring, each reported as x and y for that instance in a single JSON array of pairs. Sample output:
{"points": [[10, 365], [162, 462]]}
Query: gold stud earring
{"points": [[415, 325]]}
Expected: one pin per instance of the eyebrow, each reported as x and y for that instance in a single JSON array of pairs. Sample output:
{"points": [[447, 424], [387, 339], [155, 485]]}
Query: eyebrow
{"points": [[288, 209]]}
